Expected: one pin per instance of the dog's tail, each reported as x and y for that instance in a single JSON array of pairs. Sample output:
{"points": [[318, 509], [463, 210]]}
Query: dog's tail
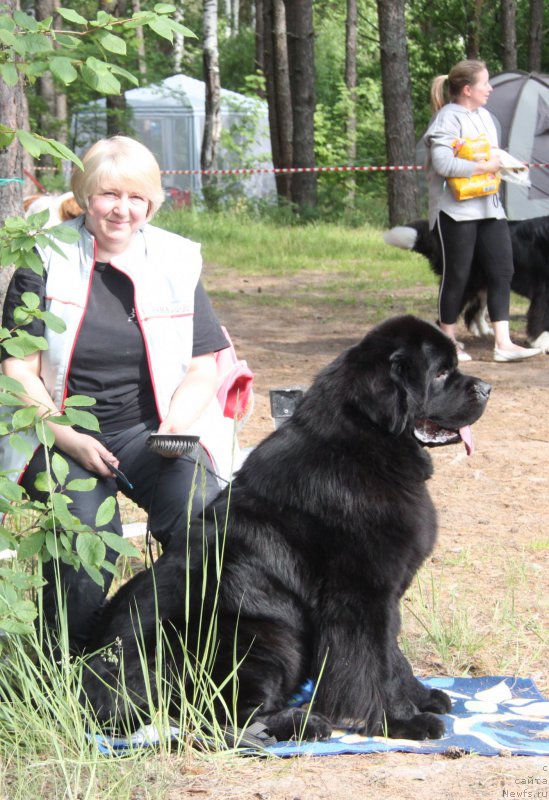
{"points": [[417, 237], [402, 236]]}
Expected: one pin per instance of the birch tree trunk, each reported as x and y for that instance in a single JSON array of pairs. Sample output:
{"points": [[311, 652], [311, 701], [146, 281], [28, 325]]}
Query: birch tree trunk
{"points": [[397, 100], [212, 120], [140, 40], [178, 40]]}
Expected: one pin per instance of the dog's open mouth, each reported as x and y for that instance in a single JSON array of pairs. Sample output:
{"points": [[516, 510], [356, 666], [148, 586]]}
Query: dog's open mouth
{"points": [[431, 434]]}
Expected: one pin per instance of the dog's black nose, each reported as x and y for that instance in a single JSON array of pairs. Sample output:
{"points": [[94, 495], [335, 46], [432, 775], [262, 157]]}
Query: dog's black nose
{"points": [[483, 389]]}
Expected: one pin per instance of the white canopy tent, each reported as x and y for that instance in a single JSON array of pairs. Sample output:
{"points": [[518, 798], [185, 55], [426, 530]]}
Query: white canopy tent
{"points": [[169, 119]]}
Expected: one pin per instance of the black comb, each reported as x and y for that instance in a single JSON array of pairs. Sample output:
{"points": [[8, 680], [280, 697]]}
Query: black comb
{"points": [[171, 444]]}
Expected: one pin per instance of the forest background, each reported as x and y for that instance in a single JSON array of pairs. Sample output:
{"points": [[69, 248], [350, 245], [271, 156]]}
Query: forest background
{"points": [[347, 83]]}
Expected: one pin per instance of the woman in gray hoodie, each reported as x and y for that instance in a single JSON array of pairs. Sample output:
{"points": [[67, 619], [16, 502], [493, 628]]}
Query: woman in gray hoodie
{"points": [[478, 225]]}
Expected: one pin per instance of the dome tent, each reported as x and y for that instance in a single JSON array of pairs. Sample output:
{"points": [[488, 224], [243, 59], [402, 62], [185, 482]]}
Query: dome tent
{"points": [[169, 119], [519, 104]]}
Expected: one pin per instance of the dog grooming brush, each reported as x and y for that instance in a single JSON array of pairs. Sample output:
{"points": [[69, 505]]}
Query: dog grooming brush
{"points": [[172, 445]]}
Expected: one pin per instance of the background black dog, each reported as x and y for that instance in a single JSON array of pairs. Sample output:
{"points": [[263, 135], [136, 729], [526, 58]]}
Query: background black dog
{"points": [[328, 521], [530, 238]]}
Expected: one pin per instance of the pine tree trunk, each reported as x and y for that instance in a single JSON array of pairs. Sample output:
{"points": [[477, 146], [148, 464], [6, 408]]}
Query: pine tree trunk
{"points": [[13, 159], [403, 199], [535, 35], [351, 22], [277, 84], [212, 120], [300, 38], [509, 34]]}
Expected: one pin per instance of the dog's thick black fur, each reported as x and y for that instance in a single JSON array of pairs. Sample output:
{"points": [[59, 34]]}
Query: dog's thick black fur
{"points": [[328, 521], [530, 239]]}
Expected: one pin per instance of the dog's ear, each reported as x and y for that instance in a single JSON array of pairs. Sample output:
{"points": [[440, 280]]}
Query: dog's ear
{"points": [[378, 390]]}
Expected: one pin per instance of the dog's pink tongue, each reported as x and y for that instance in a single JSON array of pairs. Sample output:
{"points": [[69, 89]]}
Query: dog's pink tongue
{"points": [[467, 439]]}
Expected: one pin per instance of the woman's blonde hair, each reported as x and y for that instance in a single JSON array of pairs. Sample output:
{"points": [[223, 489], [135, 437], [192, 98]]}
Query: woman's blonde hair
{"points": [[119, 162], [464, 73]]}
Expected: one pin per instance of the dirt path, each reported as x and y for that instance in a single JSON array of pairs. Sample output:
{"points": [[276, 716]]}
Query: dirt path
{"points": [[490, 566]]}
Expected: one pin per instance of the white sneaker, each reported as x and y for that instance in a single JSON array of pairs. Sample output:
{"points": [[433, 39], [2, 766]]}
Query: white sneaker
{"points": [[463, 356], [516, 355]]}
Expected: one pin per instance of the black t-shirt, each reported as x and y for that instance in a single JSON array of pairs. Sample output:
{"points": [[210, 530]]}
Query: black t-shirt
{"points": [[109, 360]]}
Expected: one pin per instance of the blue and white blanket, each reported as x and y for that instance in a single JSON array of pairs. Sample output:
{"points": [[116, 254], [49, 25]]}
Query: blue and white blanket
{"points": [[490, 716]]}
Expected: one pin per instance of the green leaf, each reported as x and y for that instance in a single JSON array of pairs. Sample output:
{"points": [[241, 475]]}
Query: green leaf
{"points": [[52, 544], [53, 322], [6, 137], [60, 468], [82, 418], [10, 625], [39, 219], [161, 27], [66, 40], [79, 400], [21, 445], [91, 549], [64, 233], [63, 69], [6, 23], [25, 21], [100, 80], [43, 483], [31, 144], [7, 37], [119, 544], [9, 74], [164, 8], [82, 485], [94, 574], [24, 417], [10, 384], [30, 545], [60, 503], [112, 43], [31, 300], [61, 151], [10, 490], [38, 43], [105, 512], [71, 16], [124, 74], [103, 18]]}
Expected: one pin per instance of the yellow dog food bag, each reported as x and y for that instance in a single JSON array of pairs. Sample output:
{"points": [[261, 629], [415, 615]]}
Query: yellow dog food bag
{"points": [[477, 185]]}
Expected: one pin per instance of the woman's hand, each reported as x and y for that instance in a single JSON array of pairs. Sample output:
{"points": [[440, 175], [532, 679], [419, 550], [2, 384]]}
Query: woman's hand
{"points": [[492, 165], [192, 396], [83, 448]]}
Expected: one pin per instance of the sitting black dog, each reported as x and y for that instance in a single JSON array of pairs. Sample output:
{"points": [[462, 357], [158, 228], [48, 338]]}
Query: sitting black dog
{"points": [[327, 523]]}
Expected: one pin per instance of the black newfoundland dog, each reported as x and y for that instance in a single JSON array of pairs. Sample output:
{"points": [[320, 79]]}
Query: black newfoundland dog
{"points": [[530, 239], [327, 523]]}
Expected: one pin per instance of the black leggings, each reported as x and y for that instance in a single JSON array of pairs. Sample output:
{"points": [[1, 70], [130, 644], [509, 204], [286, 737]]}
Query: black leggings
{"points": [[487, 244], [163, 487]]}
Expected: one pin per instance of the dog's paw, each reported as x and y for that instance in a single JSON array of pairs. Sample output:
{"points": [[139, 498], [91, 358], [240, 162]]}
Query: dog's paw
{"points": [[296, 723], [422, 726], [437, 702]]}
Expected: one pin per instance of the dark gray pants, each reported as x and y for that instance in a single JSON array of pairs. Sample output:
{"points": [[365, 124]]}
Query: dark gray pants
{"points": [[163, 487]]}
